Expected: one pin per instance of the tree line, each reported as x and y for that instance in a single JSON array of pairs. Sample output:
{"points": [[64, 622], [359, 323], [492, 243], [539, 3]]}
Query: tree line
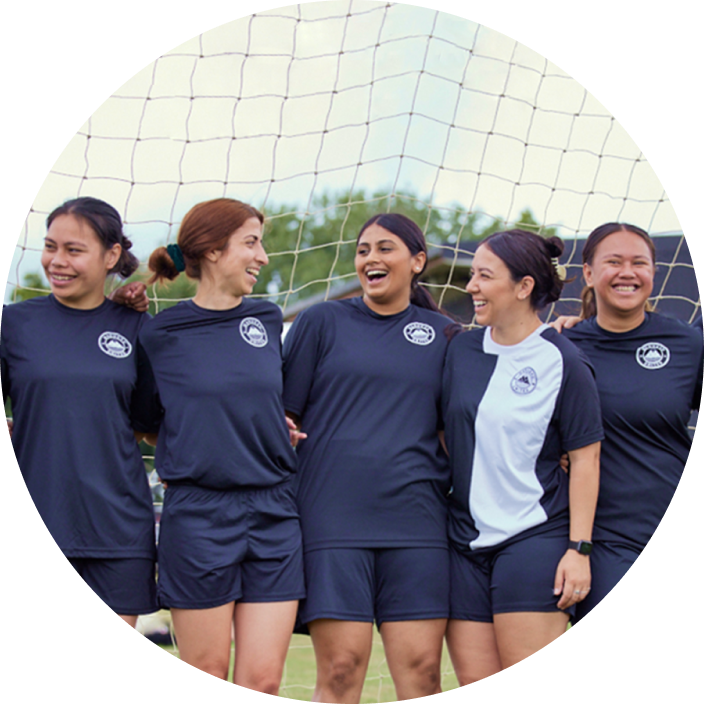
{"points": [[309, 248]]}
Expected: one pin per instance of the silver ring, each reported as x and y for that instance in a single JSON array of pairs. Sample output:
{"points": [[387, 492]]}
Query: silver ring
{"points": [[576, 591]]}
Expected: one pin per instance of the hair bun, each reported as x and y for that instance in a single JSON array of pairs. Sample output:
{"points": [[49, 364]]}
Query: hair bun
{"points": [[555, 247]]}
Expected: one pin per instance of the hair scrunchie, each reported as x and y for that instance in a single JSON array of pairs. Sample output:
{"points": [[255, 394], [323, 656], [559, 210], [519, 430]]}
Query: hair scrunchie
{"points": [[174, 251]]}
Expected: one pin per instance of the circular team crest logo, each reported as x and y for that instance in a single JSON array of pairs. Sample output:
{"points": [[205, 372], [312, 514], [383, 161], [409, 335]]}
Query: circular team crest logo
{"points": [[652, 355], [419, 333], [524, 381], [253, 332], [115, 345]]}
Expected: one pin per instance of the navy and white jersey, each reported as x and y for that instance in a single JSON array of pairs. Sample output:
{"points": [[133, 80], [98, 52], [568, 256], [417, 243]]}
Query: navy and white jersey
{"points": [[510, 413], [76, 389], [218, 375], [367, 390], [649, 379]]}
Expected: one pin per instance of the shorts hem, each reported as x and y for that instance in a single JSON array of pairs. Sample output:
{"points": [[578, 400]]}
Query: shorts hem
{"points": [[464, 617], [166, 603], [412, 617], [336, 616], [270, 599]]}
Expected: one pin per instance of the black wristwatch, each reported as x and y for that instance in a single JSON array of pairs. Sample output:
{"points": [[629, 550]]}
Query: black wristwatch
{"points": [[583, 547]]}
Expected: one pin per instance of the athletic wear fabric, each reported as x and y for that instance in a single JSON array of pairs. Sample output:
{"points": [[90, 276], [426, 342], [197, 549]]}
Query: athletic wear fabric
{"points": [[510, 413], [648, 379], [221, 546], [218, 375], [77, 390], [376, 584], [367, 390]]}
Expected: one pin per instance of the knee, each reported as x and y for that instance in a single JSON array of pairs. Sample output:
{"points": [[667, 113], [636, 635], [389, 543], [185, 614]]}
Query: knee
{"points": [[265, 682], [213, 666], [426, 668], [343, 672]]}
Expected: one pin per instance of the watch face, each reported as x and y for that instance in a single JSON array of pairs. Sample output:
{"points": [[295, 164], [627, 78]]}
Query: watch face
{"points": [[583, 547]]}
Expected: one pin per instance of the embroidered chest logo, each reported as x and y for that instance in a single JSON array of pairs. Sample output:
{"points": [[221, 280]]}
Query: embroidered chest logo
{"points": [[253, 332], [419, 333], [115, 345], [652, 355], [525, 381]]}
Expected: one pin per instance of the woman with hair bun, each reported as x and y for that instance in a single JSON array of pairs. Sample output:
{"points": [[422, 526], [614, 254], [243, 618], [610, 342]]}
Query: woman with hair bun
{"points": [[516, 395], [78, 388], [229, 542]]}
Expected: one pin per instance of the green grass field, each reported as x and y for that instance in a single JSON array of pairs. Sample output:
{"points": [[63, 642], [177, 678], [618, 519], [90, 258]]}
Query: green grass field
{"points": [[299, 675]]}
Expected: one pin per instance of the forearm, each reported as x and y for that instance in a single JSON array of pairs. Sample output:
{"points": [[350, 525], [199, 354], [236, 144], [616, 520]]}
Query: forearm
{"points": [[583, 490]]}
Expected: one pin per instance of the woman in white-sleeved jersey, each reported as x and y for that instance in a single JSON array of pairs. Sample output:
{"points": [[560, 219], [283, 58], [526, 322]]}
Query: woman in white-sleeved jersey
{"points": [[71, 367], [516, 395], [362, 376], [649, 374]]}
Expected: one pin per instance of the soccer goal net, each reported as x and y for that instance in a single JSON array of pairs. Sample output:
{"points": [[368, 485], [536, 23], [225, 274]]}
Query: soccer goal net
{"points": [[324, 114]]}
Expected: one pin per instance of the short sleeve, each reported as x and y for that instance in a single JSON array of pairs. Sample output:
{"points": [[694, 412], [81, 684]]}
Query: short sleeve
{"points": [[301, 354], [579, 407], [146, 411]]}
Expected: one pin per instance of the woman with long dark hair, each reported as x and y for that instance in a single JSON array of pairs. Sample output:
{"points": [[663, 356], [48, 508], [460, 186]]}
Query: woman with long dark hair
{"points": [[362, 378]]}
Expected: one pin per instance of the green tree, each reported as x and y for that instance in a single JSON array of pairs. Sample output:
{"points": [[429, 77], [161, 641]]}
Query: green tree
{"points": [[33, 285]]}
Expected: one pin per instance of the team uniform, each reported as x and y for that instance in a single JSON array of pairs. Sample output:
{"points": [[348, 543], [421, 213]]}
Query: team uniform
{"points": [[229, 528], [373, 477], [649, 380], [510, 412], [78, 389]]}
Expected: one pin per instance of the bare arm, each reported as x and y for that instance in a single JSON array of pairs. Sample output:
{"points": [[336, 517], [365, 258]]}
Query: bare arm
{"points": [[573, 576]]}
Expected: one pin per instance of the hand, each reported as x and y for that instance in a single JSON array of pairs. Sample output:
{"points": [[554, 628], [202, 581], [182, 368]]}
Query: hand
{"points": [[572, 579], [133, 295], [294, 434], [565, 463], [565, 322]]}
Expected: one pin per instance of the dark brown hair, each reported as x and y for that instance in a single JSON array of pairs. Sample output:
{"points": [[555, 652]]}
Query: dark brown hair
{"points": [[595, 238], [528, 254], [412, 236], [206, 227], [106, 223]]}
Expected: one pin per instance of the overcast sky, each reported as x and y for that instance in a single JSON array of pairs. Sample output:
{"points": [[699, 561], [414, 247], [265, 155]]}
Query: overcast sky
{"points": [[339, 95]]}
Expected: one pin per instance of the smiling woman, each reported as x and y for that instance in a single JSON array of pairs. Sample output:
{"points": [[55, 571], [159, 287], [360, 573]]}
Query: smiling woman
{"points": [[84, 243], [230, 542], [82, 466]]}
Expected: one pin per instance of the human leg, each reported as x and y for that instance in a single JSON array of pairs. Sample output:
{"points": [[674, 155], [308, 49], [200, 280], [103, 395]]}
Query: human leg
{"points": [[262, 636], [413, 653], [473, 650], [204, 637], [520, 634], [526, 617], [412, 596], [342, 650]]}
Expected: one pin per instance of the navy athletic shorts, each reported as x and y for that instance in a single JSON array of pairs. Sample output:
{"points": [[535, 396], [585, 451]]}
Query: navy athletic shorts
{"points": [[376, 584], [218, 546], [126, 585], [518, 575], [609, 562]]}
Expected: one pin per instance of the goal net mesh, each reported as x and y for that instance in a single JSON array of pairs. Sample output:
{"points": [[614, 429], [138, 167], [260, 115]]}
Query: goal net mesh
{"points": [[325, 113]]}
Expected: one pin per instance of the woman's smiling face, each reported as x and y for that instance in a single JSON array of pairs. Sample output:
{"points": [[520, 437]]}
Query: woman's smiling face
{"points": [[621, 274], [386, 267], [76, 263]]}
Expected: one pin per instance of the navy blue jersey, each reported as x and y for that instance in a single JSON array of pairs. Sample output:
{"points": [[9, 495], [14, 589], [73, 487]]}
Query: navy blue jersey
{"points": [[218, 375], [74, 382], [367, 389], [510, 413], [649, 379]]}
